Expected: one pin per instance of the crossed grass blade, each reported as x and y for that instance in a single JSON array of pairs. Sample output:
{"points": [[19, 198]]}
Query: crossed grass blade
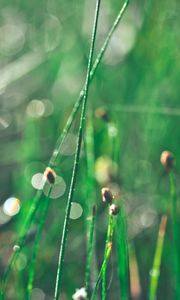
{"points": [[36, 201]]}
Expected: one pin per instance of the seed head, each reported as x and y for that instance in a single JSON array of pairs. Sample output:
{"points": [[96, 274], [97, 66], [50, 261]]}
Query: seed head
{"points": [[114, 209], [167, 160], [107, 196], [80, 294], [50, 175], [101, 113], [16, 248]]}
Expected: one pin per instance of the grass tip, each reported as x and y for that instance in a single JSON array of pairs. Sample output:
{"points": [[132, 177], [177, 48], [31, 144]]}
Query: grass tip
{"points": [[114, 209], [107, 195], [50, 175], [101, 113], [16, 248], [167, 160]]}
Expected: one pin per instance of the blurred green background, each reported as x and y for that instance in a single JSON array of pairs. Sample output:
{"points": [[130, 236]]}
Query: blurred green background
{"points": [[43, 59]]}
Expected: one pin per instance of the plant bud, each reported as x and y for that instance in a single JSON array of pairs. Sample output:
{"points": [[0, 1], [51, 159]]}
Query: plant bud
{"points": [[50, 175], [16, 248], [101, 113], [107, 196], [114, 209], [167, 160]]}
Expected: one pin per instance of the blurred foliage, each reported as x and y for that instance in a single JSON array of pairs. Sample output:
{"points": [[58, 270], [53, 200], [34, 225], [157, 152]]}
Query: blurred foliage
{"points": [[43, 59]]}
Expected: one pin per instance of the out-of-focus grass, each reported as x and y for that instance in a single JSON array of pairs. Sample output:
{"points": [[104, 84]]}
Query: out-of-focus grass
{"points": [[43, 56]]}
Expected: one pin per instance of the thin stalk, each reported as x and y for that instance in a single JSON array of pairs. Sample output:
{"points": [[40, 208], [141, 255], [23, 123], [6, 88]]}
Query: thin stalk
{"points": [[89, 146], [36, 244], [77, 156], [81, 95], [90, 200], [108, 242], [155, 272], [135, 286], [89, 251], [108, 249], [21, 241], [173, 194], [122, 256]]}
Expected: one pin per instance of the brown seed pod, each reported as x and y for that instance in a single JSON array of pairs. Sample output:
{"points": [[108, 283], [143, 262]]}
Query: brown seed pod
{"points": [[107, 196], [114, 209], [167, 160], [101, 113], [50, 175]]}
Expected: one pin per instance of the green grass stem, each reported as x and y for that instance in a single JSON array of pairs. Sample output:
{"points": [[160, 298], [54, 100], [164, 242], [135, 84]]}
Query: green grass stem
{"points": [[108, 242], [89, 145], [36, 201], [108, 248], [155, 272], [92, 74], [42, 218], [122, 256], [23, 234], [173, 194], [77, 156], [89, 251]]}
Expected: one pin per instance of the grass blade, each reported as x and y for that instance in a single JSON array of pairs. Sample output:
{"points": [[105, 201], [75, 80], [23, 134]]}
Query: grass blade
{"points": [[92, 74], [173, 194], [108, 244], [155, 272], [77, 156], [35, 205], [108, 248], [33, 209], [36, 244], [122, 255], [89, 251]]}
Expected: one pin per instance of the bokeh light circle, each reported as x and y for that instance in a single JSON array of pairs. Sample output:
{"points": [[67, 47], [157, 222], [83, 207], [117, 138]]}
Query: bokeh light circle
{"points": [[11, 206], [76, 211], [58, 188]]}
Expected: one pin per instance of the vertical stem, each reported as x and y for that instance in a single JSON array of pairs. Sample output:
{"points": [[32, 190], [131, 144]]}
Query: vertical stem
{"points": [[33, 209], [173, 194], [90, 162], [92, 74], [36, 245], [90, 200], [108, 248], [108, 241], [89, 251], [60, 140], [122, 256], [76, 159], [155, 272]]}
